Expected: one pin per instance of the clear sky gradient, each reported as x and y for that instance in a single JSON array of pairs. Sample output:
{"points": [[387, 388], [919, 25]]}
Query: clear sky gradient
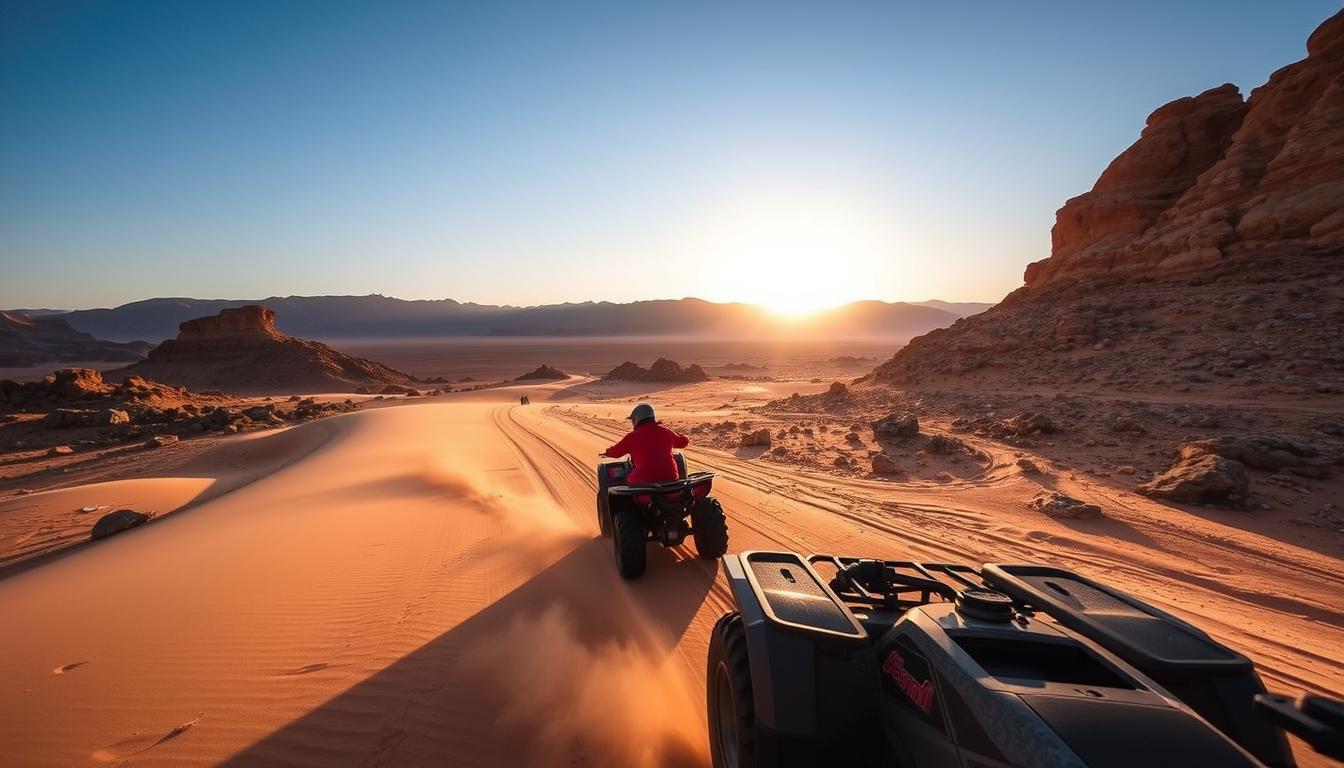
{"points": [[801, 154]]}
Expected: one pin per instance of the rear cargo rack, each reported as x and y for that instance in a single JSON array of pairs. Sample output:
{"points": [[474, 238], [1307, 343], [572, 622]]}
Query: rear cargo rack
{"points": [[894, 584]]}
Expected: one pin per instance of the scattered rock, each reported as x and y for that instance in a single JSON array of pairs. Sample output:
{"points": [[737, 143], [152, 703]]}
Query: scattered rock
{"points": [[113, 416], [896, 425], [1124, 424], [159, 441], [944, 477], [60, 450], [1056, 504], [1201, 479], [760, 437], [116, 522], [884, 465], [944, 444], [1028, 466], [1023, 425]]}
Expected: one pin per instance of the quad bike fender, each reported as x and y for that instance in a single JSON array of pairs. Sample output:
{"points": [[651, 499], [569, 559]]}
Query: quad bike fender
{"points": [[802, 643]]}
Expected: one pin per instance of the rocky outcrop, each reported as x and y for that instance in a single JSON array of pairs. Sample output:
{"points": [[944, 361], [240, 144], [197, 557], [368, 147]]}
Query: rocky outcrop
{"points": [[240, 350], [662, 371], [1215, 173], [26, 341], [543, 373], [1213, 243]]}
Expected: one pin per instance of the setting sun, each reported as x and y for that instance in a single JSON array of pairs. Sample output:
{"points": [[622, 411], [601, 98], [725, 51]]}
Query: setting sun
{"points": [[795, 253]]}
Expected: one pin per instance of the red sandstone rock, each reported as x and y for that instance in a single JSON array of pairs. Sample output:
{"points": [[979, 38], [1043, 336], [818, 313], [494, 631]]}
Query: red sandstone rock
{"points": [[1160, 267]]}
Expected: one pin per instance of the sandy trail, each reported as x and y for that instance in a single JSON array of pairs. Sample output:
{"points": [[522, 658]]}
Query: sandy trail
{"points": [[425, 587]]}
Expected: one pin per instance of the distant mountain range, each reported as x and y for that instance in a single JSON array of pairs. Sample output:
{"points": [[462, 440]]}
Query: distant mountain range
{"points": [[374, 316]]}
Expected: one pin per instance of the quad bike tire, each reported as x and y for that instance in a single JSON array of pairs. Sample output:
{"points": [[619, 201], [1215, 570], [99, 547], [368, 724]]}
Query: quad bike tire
{"points": [[604, 514], [730, 708], [630, 541], [709, 526]]}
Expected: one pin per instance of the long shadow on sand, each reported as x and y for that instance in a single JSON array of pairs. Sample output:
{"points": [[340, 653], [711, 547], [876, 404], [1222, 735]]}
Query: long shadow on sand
{"points": [[523, 681]]}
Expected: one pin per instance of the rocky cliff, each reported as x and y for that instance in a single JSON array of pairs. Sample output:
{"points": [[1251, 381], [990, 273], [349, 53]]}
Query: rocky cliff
{"points": [[240, 350], [1209, 248]]}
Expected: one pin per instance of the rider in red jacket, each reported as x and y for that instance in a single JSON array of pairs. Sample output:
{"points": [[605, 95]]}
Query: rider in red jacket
{"points": [[650, 447]]}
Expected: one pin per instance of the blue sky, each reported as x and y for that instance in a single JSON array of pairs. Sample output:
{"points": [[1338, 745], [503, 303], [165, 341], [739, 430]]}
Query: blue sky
{"points": [[534, 153]]}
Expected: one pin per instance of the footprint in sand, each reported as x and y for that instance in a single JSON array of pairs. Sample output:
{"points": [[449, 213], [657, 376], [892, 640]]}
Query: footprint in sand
{"points": [[72, 665], [137, 743], [305, 669]]}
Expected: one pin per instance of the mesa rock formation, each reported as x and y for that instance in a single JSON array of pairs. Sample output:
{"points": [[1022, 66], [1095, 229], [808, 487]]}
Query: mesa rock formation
{"points": [[28, 341], [240, 350], [1209, 250]]}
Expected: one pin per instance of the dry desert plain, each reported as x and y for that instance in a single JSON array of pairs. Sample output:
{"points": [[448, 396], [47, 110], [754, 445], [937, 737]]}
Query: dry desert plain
{"points": [[420, 582]]}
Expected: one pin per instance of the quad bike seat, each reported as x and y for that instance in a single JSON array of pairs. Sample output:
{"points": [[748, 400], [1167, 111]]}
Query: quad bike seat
{"points": [[695, 478]]}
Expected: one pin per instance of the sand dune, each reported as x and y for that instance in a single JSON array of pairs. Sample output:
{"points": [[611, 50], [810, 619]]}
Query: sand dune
{"points": [[422, 585]]}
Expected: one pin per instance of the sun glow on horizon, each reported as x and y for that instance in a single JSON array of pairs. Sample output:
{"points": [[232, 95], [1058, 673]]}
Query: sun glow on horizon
{"points": [[795, 254]]}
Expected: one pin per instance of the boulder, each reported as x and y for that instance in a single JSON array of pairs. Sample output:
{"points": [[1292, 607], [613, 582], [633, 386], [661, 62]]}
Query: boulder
{"points": [[1123, 424], [1028, 466], [1201, 479], [1059, 505], [896, 425], [159, 441], [116, 522], [884, 465], [258, 413], [760, 437], [60, 450], [114, 416]]}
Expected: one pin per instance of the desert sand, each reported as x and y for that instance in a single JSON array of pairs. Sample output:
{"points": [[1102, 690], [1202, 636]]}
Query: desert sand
{"points": [[424, 585]]}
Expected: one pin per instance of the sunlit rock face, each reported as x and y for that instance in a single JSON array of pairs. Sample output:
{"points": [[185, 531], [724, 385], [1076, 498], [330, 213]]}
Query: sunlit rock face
{"points": [[1211, 246]]}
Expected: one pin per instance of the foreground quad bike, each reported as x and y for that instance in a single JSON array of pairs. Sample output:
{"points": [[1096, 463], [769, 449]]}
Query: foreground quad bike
{"points": [[841, 661], [666, 513]]}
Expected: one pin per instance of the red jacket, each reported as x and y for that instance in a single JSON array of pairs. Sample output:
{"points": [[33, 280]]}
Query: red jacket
{"points": [[650, 447]]}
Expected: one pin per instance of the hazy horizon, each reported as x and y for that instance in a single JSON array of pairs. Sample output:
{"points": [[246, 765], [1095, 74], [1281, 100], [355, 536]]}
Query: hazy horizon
{"points": [[919, 302], [519, 154]]}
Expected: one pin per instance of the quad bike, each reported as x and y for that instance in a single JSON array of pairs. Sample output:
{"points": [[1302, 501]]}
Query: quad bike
{"points": [[666, 513], [841, 661]]}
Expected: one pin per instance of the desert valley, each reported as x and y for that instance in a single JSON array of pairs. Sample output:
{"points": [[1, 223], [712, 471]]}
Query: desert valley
{"points": [[355, 530]]}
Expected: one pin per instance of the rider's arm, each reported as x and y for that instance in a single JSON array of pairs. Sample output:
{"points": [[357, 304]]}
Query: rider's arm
{"points": [[619, 449], [679, 440]]}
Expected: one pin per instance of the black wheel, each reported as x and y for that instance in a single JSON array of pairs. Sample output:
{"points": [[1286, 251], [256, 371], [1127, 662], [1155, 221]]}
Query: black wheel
{"points": [[603, 513], [710, 527], [630, 541], [732, 714]]}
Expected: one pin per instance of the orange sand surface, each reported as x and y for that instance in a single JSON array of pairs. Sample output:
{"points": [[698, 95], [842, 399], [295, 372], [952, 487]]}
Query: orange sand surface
{"points": [[424, 585]]}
